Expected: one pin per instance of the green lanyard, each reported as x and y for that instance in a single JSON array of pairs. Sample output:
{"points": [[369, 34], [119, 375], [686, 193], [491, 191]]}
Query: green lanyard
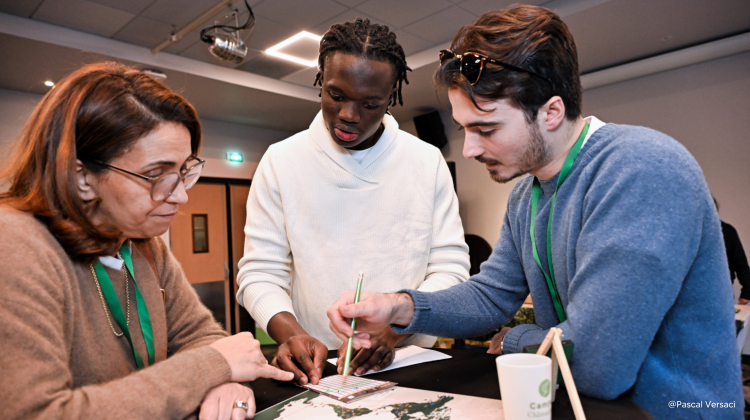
{"points": [[114, 305], [534, 203]]}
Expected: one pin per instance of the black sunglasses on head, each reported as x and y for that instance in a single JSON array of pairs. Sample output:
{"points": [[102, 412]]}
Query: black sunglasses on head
{"points": [[471, 65]]}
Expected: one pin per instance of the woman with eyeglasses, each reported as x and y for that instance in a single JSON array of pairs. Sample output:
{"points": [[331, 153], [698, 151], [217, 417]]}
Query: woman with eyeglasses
{"points": [[97, 319]]}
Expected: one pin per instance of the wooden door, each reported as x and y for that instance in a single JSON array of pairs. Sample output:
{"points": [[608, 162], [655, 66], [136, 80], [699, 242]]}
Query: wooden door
{"points": [[199, 241]]}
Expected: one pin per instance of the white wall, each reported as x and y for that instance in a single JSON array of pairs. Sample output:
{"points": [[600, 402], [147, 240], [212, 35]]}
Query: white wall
{"points": [[704, 106], [222, 137], [15, 108], [482, 201], [218, 137]]}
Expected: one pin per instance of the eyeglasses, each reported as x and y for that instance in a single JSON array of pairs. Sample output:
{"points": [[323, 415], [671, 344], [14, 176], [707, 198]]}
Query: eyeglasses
{"points": [[471, 65], [163, 186]]}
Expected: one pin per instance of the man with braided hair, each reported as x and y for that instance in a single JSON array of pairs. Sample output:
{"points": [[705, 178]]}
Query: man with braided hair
{"points": [[352, 193]]}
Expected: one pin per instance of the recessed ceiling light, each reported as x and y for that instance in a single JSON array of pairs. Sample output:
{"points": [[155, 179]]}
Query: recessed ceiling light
{"points": [[301, 49], [156, 74], [49, 83]]}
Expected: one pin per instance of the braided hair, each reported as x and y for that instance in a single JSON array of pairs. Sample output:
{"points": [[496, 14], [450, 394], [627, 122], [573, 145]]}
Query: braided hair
{"points": [[364, 39]]}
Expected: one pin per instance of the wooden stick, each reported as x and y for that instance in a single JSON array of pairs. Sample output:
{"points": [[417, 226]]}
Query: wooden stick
{"points": [[544, 347], [575, 400], [554, 375]]}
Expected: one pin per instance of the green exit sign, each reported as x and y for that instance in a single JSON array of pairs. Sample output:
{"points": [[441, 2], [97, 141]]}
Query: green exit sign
{"points": [[234, 157]]}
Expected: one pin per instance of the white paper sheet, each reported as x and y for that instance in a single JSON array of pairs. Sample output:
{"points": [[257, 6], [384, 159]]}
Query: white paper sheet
{"points": [[407, 356]]}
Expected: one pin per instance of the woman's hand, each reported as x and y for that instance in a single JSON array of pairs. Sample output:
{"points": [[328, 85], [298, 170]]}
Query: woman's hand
{"points": [[247, 362], [219, 403]]}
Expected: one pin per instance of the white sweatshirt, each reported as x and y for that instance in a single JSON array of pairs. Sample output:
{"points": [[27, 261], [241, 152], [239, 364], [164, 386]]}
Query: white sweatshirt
{"points": [[316, 217]]}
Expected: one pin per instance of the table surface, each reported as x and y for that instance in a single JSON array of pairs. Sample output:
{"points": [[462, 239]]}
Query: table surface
{"points": [[467, 373]]}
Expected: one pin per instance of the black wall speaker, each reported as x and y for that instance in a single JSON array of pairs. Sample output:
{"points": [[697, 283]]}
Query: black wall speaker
{"points": [[452, 168], [430, 129]]}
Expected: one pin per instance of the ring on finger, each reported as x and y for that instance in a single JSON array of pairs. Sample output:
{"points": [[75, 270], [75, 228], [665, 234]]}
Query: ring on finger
{"points": [[241, 404]]}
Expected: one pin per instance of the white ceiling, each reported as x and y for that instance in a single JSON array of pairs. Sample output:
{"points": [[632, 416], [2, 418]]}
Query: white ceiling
{"points": [[608, 33]]}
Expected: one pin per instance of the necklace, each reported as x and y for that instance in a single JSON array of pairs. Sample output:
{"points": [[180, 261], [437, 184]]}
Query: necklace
{"points": [[107, 294], [104, 305]]}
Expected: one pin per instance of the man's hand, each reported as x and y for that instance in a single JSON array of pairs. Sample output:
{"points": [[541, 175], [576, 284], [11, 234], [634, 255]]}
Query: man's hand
{"points": [[378, 356], [305, 352], [497, 341], [374, 312], [298, 352], [743, 301]]}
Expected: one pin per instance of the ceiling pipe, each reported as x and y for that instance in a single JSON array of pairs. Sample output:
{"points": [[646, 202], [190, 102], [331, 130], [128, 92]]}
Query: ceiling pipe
{"points": [[69, 38], [174, 37], [681, 58]]}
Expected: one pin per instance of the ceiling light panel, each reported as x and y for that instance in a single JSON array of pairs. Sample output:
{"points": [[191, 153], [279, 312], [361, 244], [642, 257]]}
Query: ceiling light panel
{"points": [[301, 48]]}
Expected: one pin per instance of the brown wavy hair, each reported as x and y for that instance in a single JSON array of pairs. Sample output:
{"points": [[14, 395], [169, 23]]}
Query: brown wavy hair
{"points": [[94, 114], [530, 37]]}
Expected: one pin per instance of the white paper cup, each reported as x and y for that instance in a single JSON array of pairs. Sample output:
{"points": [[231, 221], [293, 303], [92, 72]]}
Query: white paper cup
{"points": [[525, 386]]}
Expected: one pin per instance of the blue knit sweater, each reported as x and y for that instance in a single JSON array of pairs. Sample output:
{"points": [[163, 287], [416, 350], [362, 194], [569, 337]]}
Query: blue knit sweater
{"points": [[640, 268]]}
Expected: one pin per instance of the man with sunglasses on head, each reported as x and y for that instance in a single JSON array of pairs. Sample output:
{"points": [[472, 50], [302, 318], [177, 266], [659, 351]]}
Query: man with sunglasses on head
{"points": [[612, 232]]}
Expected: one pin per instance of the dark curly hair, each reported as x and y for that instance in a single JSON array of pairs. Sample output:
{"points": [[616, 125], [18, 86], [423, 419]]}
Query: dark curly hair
{"points": [[364, 39], [529, 37]]}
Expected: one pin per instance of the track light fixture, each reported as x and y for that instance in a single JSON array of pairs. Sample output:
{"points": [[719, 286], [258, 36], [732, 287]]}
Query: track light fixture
{"points": [[225, 42]]}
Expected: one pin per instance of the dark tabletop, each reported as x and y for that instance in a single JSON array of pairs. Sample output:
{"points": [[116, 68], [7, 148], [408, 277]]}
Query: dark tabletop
{"points": [[467, 373]]}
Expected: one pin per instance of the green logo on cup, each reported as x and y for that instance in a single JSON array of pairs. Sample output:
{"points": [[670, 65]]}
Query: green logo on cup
{"points": [[544, 388]]}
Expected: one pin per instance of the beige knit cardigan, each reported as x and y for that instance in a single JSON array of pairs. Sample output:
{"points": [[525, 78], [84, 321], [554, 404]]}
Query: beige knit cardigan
{"points": [[58, 355]]}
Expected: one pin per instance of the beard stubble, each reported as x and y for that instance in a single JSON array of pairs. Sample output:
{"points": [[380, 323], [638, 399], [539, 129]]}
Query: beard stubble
{"points": [[535, 155]]}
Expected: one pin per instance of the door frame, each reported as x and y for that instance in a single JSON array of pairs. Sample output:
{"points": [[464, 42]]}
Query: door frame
{"points": [[233, 321]]}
